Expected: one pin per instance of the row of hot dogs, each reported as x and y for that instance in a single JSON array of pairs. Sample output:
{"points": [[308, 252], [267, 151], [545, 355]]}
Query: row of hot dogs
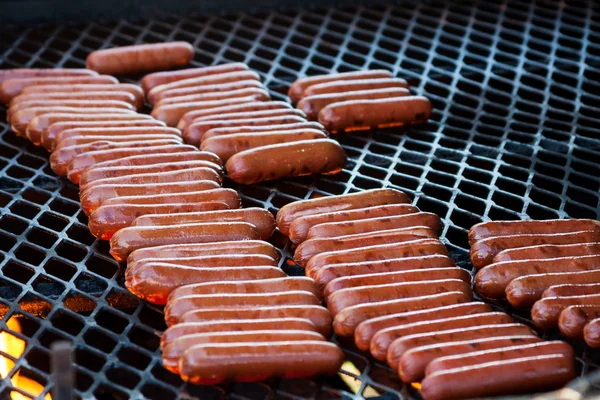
{"points": [[389, 283]]}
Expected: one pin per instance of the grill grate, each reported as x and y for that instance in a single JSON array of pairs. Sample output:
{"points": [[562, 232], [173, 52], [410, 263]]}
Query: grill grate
{"points": [[515, 134]]}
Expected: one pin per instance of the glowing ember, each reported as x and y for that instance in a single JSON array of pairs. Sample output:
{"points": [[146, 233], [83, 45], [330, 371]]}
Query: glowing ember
{"points": [[416, 385], [353, 383], [15, 347]]}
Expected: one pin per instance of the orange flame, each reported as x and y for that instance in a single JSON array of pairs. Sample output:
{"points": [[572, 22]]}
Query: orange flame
{"points": [[15, 347]]}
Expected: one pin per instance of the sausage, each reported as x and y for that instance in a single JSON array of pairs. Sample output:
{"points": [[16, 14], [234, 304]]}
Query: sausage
{"points": [[591, 334], [367, 329], [354, 85], [62, 158], [492, 281], [297, 89], [187, 92], [347, 320], [52, 141], [17, 73], [233, 116], [259, 92], [573, 319], [351, 201], [190, 116], [11, 88], [215, 363], [546, 312], [299, 228], [97, 173], [490, 229], [357, 115], [114, 95], [318, 315], [175, 350], [139, 58], [566, 290], [80, 140], [160, 78], [90, 158], [180, 305], [548, 251], [349, 297], [41, 123], [343, 228], [382, 278], [413, 363], [399, 346], [227, 196], [526, 290], [308, 249], [260, 129], [420, 247], [226, 146], [181, 176], [264, 286], [330, 272], [136, 237], [305, 157], [194, 133], [170, 114], [262, 219], [515, 376], [484, 251], [313, 104], [82, 103], [212, 79], [108, 219], [382, 340], [200, 249], [135, 90]]}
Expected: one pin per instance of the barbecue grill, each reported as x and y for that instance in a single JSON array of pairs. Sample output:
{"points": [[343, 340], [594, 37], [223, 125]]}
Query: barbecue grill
{"points": [[515, 134]]}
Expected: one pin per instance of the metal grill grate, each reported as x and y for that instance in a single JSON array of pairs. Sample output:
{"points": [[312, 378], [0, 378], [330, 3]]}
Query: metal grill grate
{"points": [[515, 134]]}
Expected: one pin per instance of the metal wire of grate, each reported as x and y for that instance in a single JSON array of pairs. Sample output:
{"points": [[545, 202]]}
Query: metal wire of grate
{"points": [[515, 134]]}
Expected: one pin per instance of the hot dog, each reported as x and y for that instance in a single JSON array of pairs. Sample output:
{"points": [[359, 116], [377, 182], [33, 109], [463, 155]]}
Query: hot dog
{"points": [[347, 320], [108, 219], [333, 229], [180, 305], [297, 89], [114, 95], [79, 140], [573, 319], [226, 146], [354, 85], [299, 227], [264, 286], [262, 219], [160, 78], [259, 129], [548, 251], [420, 247], [484, 251], [399, 346], [233, 116], [209, 261], [318, 315], [194, 133], [187, 92], [566, 290], [528, 374], [214, 363], [526, 290], [411, 275], [15, 73], [136, 237], [412, 364], [200, 249], [382, 340], [313, 104], [227, 196], [492, 281], [13, 87], [235, 325], [352, 201], [212, 96], [149, 159], [308, 249], [306, 157], [330, 272], [349, 297], [139, 58], [381, 113], [212, 79], [175, 350], [154, 282], [135, 90], [367, 329], [490, 229], [52, 141], [546, 312], [81, 103], [591, 334]]}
